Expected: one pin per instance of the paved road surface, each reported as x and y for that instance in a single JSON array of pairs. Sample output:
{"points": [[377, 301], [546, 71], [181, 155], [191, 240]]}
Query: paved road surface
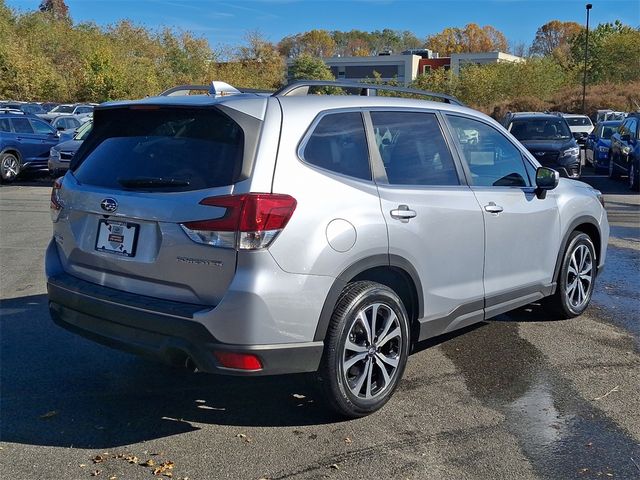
{"points": [[523, 396]]}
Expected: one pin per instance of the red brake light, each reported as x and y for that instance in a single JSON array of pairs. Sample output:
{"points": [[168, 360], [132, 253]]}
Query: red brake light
{"points": [[254, 218], [252, 212], [239, 361]]}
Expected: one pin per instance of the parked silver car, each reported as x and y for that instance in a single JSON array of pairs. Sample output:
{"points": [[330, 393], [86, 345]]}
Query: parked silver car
{"points": [[251, 234]]}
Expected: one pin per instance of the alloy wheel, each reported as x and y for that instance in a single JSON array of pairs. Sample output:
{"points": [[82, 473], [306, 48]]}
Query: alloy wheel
{"points": [[372, 351], [9, 167], [579, 277]]}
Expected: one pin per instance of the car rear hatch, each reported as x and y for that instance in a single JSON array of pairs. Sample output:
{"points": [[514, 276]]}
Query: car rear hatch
{"points": [[141, 176]]}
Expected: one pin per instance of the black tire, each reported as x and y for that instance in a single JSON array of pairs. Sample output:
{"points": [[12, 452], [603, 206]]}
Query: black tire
{"points": [[634, 177], [613, 171], [9, 167], [339, 385], [565, 302]]}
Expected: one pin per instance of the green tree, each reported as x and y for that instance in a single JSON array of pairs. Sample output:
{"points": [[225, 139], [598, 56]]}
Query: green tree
{"points": [[613, 53], [306, 67]]}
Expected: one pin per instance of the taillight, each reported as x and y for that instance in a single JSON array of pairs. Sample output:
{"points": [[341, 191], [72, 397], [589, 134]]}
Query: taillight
{"points": [[56, 205], [251, 221], [238, 361]]}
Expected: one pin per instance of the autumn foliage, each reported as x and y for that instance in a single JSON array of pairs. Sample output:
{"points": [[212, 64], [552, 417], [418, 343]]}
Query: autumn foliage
{"points": [[44, 55]]}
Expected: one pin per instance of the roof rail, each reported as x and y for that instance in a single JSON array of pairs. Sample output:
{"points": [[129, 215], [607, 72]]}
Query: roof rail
{"points": [[301, 87], [215, 89]]}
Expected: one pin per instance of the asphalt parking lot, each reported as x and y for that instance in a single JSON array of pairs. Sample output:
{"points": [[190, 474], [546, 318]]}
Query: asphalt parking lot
{"points": [[521, 396]]}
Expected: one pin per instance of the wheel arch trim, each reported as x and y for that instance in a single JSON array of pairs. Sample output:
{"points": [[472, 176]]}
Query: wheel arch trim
{"points": [[355, 269], [573, 226]]}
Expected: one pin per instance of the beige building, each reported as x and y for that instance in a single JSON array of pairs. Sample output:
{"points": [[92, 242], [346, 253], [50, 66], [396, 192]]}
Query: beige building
{"points": [[459, 60]]}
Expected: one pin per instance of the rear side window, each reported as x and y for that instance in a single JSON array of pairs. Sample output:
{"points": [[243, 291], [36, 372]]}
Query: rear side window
{"points": [[413, 149], [41, 127], [4, 125], [338, 143], [163, 149], [21, 125]]}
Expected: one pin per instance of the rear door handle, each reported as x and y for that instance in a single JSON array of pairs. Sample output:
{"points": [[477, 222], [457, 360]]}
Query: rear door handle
{"points": [[493, 208], [403, 213]]}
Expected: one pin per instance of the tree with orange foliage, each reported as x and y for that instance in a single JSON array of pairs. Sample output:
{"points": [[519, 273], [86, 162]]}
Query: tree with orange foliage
{"points": [[554, 38], [471, 38]]}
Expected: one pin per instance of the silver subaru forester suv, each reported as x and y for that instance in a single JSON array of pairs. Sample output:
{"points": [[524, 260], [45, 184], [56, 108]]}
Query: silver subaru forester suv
{"points": [[254, 234]]}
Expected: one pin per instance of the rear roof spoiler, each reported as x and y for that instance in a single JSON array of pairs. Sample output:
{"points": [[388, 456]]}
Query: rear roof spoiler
{"points": [[214, 89]]}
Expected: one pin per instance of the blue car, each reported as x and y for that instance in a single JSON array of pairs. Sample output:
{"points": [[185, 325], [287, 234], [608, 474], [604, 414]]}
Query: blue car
{"points": [[598, 144], [25, 142]]}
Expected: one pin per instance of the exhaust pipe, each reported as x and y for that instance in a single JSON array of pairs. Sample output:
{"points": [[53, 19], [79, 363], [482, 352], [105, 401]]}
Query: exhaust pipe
{"points": [[190, 365]]}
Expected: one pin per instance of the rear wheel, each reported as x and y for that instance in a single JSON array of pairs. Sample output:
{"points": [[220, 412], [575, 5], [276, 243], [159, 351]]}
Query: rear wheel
{"points": [[9, 167], [576, 277], [366, 349]]}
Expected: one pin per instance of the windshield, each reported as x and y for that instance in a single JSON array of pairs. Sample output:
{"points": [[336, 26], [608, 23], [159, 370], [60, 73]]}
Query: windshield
{"points": [[83, 131], [186, 148], [63, 109], [32, 109], [578, 121], [540, 129]]}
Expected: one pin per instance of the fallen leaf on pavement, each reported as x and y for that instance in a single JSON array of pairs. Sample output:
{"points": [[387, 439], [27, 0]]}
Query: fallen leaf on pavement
{"points": [[334, 466], [148, 463], [348, 440], [98, 459], [95, 473], [164, 468]]}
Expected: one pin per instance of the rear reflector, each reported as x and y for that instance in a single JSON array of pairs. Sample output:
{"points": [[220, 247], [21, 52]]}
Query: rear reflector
{"points": [[238, 361], [251, 221]]}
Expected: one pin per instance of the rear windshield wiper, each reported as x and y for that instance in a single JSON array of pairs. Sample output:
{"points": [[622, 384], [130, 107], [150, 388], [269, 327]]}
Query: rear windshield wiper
{"points": [[153, 182]]}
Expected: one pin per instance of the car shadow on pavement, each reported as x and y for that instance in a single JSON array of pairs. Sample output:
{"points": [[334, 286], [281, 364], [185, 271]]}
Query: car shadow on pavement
{"points": [[58, 389]]}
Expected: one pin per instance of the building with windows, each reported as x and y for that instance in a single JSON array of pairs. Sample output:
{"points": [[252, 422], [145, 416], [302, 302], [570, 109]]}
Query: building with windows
{"points": [[405, 67], [459, 60]]}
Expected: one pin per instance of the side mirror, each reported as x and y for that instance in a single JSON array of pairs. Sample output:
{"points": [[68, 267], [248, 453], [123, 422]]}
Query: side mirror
{"points": [[546, 179], [625, 137], [577, 135]]}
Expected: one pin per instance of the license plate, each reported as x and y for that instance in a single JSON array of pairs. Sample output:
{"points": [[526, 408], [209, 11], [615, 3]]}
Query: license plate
{"points": [[117, 237]]}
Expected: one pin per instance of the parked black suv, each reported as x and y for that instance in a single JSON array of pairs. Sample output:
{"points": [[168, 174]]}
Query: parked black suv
{"points": [[549, 139]]}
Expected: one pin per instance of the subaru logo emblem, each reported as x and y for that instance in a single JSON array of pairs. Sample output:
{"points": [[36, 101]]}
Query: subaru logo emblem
{"points": [[109, 205]]}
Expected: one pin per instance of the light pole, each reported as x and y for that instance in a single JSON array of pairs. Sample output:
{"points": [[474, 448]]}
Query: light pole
{"points": [[586, 55]]}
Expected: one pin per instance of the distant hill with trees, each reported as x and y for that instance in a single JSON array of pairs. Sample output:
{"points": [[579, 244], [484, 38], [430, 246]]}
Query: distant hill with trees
{"points": [[44, 55]]}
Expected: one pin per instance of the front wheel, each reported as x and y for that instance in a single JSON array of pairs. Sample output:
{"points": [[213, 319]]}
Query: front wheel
{"points": [[576, 277], [613, 171], [9, 167], [366, 349], [634, 177]]}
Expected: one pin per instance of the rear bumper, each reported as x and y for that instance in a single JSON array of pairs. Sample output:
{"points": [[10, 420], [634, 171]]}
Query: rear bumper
{"points": [[162, 329]]}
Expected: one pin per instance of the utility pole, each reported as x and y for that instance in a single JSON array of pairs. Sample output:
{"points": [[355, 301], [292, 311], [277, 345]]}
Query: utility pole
{"points": [[586, 56]]}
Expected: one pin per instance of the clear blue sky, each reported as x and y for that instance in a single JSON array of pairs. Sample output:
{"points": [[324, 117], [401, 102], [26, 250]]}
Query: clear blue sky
{"points": [[226, 22]]}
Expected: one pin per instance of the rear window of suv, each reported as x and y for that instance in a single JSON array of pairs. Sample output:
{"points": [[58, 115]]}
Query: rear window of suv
{"points": [[161, 149]]}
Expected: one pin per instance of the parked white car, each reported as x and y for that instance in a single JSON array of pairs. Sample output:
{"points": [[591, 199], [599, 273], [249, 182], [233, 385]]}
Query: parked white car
{"points": [[580, 124]]}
